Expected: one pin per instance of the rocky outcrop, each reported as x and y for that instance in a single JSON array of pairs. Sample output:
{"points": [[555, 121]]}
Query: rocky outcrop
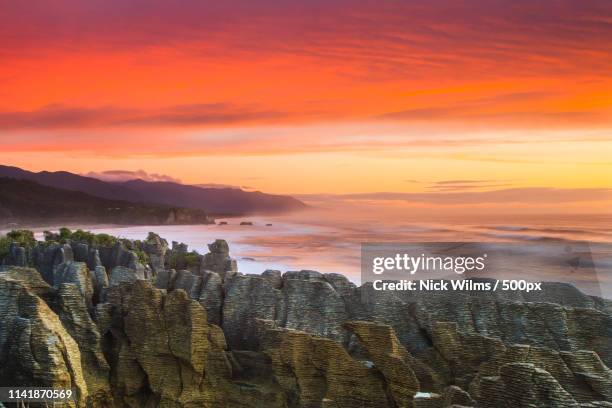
{"points": [[78, 274], [454, 396], [44, 256], [472, 360], [390, 358], [100, 282], [120, 256], [144, 347], [246, 302], [35, 348], [205, 335], [72, 311], [211, 296], [218, 259], [16, 255], [302, 300], [48, 257], [122, 274], [315, 372], [156, 247], [30, 279], [524, 385], [165, 341]]}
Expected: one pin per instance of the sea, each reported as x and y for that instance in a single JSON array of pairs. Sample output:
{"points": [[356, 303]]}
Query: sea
{"points": [[329, 240]]}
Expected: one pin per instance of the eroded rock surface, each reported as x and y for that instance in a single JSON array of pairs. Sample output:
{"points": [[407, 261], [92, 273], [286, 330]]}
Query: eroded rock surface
{"points": [[35, 348], [143, 325]]}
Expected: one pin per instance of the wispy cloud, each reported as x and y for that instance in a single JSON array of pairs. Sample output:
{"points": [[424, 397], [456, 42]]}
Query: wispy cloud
{"points": [[219, 185], [466, 185], [125, 175], [390, 36], [65, 117], [527, 109], [529, 196], [455, 182]]}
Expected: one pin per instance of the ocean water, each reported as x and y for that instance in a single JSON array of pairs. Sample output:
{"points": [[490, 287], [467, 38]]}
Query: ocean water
{"points": [[330, 241]]}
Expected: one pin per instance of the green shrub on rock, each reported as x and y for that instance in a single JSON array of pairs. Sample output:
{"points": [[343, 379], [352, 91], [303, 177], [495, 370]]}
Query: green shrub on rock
{"points": [[64, 233], [142, 256], [192, 259], [5, 244], [23, 238], [105, 240], [87, 237]]}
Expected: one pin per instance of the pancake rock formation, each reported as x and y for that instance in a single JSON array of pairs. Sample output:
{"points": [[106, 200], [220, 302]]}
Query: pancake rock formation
{"points": [[148, 324]]}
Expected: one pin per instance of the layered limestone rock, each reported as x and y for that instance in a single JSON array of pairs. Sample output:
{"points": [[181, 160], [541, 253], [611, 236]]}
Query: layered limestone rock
{"points": [[100, 282], [206, 288], [77, 274], [35, 348], [156, 247], [390, 358], [208, 336], [164, 350], [455, 396], [246, 301], [211, 296], [118, 255], [576, 322], [46, 256], [302, 300], [145, 347], [218, 259], [311, 303], [189, 282], [484, 324], [29, 278], [165, 279], [587, 366], [315, 372], [471, 360], [17, 255], [72, 311], [122, 274], [524, 385]]}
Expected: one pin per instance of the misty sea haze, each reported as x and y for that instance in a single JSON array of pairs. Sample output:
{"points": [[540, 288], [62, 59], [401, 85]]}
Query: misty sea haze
{"points": [[330, 240]]}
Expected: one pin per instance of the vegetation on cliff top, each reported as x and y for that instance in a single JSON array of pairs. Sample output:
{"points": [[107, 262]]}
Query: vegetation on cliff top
{"points": [[65, 234], [25, 238], [22, 237]]}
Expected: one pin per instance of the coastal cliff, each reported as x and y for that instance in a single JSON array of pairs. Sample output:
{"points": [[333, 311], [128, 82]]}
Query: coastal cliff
{"points": [[146, 323]]}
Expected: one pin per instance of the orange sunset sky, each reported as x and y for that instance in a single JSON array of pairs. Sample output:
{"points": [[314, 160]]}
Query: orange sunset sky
{"points": [[333, 97]]}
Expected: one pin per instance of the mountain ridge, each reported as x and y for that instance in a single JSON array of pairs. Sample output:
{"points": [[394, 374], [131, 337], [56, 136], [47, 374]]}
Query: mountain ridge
{"points": [[219, 201], [24, 201]]}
